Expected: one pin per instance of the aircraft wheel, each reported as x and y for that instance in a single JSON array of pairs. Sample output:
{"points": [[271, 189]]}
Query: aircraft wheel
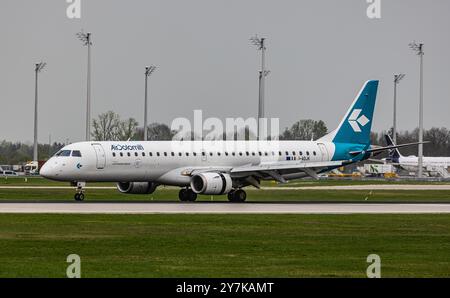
{"points": [[187, 195], [182, 195], [79, 197], [239, 196], [231, 196], [192, 195]]}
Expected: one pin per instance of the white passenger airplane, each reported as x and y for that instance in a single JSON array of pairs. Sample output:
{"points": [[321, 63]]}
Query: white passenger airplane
{"points": [[432, 165], [217, 167]]}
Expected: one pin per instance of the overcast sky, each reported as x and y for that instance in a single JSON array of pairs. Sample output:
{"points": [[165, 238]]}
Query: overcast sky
{"points": [[319, 54]]}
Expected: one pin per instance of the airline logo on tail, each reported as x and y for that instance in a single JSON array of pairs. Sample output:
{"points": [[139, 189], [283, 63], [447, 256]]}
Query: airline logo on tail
{"points": [[355, 122]]}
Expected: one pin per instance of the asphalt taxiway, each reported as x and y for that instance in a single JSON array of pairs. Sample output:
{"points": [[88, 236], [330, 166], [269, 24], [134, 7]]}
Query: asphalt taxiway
{"points": [[224, 208]]}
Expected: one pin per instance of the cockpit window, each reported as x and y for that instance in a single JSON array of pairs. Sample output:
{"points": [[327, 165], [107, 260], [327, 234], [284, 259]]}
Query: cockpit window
{"points": [[76, 153], [63, 153]]}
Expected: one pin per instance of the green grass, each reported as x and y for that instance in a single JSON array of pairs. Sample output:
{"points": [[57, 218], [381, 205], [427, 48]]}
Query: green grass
{"points": [[253, 195], [224, 245]]}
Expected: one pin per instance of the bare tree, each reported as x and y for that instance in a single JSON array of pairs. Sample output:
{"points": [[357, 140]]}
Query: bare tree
{"points": [[305, 130], [106, 126], [127, 130]]}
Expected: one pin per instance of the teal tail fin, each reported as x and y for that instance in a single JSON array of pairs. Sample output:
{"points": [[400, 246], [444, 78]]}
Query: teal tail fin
{"points": [[355, 127]]}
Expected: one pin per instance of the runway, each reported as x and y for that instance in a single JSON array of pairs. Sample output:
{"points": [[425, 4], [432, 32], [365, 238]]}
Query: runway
{"points": [[223, 208]]}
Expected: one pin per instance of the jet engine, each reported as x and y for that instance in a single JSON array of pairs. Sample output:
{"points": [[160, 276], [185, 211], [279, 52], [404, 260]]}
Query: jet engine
{"points": [[136, 187], [211, 183]]}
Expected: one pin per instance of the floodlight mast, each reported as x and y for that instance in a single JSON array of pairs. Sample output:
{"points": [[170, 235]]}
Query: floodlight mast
{"points": [[418, 48], [397, 79], [260, 43], [38, 68], [86, 38], [148, 71]]}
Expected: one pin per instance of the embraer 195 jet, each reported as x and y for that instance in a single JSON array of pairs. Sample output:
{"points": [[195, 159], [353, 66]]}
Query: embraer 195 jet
{"points": [[217, 167]]}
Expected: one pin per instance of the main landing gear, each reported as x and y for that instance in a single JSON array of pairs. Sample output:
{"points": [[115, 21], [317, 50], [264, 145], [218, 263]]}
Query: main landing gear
{"points": [[187, 195], [237, 196], [79, 195]]}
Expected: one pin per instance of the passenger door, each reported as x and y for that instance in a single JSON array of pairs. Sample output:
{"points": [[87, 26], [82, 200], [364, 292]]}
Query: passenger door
{"points": [[100, 154]]}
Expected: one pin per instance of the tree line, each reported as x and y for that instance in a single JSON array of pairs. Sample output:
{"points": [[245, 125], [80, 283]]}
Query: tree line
{"points": [[110, 127]]}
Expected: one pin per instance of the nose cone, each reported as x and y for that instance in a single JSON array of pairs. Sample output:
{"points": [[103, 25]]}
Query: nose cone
{"points": [[46, 171]]}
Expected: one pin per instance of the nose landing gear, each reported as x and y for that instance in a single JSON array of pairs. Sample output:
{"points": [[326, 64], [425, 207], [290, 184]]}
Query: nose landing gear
{"points": [[79, 195]]}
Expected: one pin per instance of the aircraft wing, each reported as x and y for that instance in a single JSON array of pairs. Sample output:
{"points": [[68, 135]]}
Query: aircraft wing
{"points": [[276, 170]]}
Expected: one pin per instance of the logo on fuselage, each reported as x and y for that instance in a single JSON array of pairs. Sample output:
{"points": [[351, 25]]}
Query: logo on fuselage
{"points": [[79, 165], [126, 147], [355, 122]]}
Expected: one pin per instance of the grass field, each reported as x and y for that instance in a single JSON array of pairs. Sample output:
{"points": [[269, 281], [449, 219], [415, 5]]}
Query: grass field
{"points": [[225, 245], [252, 195]]}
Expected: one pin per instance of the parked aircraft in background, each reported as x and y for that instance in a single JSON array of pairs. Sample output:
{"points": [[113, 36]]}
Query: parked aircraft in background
{"points": [[434, 166]]}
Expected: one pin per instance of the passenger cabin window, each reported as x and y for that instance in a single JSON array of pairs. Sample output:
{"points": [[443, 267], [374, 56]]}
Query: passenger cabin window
{"points": [[172, 153], [76, 153], [301, 153], [165, 153], [143, 153], [114, 154], [128, 153], [157, 153], [307, 152], [150, 153], [194, 153], [314, 153], [121, 154], [135, 154], [63, 153]]}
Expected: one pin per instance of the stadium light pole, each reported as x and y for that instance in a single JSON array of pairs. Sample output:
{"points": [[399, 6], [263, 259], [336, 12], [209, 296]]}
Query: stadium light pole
{"points": [[260, 43], [148, 71], [86, 39], [38, 68], [418, 48], [397, 79]]}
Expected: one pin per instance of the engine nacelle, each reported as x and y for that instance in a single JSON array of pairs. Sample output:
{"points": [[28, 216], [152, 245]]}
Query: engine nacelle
{"points": [[136, 187], [211, 183]]}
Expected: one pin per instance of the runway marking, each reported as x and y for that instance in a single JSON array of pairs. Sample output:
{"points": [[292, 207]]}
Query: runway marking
{"points": [[331, 187], [221, 208]]}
